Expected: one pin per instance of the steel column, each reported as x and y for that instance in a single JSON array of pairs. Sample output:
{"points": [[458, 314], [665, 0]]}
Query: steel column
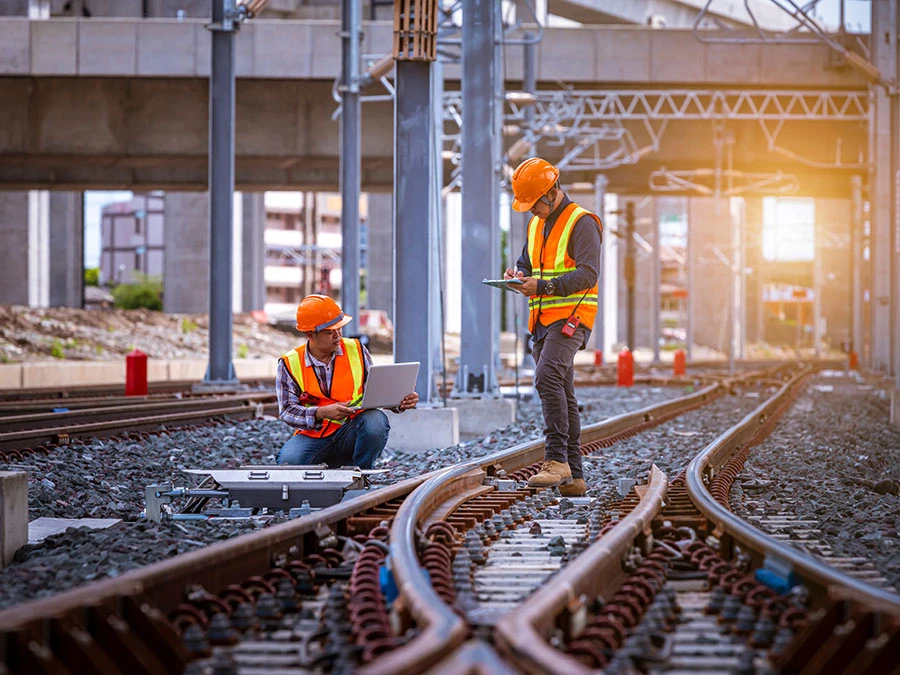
{"points": [[518, 231], [691, 256], [600, 183], [351, 11], [732, 280], [655, 274], [881, 187], [856, 262], [630, 273], [220, 371], [480, 186], [414, 244], [818, 234]]}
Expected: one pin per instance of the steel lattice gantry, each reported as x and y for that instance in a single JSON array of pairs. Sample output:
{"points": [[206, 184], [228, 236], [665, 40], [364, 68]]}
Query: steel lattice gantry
{"points": [[589, 128]]}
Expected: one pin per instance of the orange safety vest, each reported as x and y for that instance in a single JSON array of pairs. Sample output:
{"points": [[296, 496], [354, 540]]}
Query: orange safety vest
{"points": [[550, 259], [346, 381]]}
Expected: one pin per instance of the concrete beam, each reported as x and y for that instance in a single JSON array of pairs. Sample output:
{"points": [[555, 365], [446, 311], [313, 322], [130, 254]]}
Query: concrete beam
{"points": [[674, 13], [285, 49]]}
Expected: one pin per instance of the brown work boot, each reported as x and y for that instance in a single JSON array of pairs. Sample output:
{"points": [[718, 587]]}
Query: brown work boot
{"points": [[574, 489], [551, 473]]}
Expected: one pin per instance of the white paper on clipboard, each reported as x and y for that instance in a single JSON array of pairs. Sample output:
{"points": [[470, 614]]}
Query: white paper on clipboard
{"points": [[504, 284]]}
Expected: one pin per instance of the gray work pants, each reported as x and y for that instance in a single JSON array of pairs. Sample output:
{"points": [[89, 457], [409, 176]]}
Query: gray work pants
{"points": [[554, 379]]}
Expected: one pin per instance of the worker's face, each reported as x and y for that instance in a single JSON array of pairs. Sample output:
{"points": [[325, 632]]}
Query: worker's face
{"points": [[325, 340], [543, 207]]}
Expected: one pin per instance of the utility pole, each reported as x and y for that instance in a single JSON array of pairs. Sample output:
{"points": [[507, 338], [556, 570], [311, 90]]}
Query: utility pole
{"points": [[630, 263], [225, 24], [600, 183], [351, 11]]}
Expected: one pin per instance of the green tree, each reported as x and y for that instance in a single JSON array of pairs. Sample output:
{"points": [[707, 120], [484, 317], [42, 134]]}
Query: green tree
{"points": [[145, 292]]}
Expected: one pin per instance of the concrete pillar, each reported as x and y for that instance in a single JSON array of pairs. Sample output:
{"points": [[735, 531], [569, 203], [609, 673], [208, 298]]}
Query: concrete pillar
{"points": [[380, 272], [755, 280], [645, 215], [14, 252], [13, 514], [834, 222], [710, 239], [66, 267], [252, 269], [186, 277]]}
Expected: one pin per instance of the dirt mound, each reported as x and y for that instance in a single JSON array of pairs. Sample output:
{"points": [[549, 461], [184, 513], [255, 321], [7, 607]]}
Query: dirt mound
{"points": [[31, 334]]}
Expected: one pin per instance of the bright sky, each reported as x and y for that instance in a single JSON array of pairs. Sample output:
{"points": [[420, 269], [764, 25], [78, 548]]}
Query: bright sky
{"points": [[856, 13]]}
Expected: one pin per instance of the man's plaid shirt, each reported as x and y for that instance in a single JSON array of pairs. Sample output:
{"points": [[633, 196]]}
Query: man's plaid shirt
{"points": [[290, 409]]}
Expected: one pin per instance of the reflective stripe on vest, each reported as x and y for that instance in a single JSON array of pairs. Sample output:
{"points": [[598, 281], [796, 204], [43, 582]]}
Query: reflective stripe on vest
{"points": [[346, 381], [549, 260]]}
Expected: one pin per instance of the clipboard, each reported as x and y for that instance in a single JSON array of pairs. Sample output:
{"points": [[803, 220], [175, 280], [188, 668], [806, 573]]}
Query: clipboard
{"points": [[504, 284]]}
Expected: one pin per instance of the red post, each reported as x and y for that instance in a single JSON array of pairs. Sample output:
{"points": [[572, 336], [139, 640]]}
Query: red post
{"points": [[136, 373], [854, 361], [598, 358], [680, 363], [626, 368]]}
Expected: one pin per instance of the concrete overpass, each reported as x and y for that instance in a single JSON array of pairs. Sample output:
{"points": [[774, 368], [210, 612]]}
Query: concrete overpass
{"points": [[122, 103], [673, 13]]}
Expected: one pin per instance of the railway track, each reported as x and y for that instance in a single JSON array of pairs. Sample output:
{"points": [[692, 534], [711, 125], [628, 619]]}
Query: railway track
{"points": [[279, 598], [23, 434]]}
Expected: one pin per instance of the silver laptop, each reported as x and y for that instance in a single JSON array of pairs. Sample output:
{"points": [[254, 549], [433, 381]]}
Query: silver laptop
{"points": [[388, 384]]}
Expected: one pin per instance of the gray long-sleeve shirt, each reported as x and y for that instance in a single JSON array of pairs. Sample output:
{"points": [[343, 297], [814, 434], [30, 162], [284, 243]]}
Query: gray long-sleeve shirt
{"points": [[583, 248]]}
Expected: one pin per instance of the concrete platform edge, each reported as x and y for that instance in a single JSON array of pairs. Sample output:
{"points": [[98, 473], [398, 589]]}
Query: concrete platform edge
{"points": [[67, 374]]}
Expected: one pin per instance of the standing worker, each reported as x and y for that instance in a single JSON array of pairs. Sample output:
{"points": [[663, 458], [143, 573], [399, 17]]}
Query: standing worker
{"points": [[559, 270], [318, 384]]}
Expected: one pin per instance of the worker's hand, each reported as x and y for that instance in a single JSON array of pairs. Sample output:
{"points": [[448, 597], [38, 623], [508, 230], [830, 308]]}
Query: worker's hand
{"points": [[513, 274], [529, 286], [409, 402], [334, 411]]}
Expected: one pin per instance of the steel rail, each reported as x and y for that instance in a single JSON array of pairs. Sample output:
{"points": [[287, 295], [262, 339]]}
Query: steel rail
{"points": [[33, 421], [441, 628], [720, 451], [214, 567], [16, 440], [597, 571], [161, 586], [55, 393], [80, 403]]}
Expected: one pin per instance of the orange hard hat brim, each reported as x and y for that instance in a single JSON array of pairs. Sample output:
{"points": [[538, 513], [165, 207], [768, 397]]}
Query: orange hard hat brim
{"points": [[343, 322], [522, 206]]}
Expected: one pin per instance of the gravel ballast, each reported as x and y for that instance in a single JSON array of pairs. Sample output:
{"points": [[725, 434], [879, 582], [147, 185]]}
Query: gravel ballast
{"points": [[106, 479], [834, 459], [825, 427]]}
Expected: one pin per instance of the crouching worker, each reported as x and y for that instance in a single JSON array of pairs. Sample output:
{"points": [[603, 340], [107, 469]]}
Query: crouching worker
{"points": [[317, 386]]}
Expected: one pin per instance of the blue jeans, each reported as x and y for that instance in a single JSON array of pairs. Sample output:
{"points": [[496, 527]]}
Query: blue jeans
{"points": [[358, 442]]}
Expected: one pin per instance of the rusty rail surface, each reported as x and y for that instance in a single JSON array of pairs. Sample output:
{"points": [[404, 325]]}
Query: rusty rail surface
{"points": [[162, 584], [45, 419], [160, 587], [704, 468], [595, 572], [106, 390], [196, 412], [441, 629]]}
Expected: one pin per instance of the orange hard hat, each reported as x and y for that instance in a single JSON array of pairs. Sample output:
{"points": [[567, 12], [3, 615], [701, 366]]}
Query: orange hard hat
{"points": [[319, 312], [531, 180]]}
